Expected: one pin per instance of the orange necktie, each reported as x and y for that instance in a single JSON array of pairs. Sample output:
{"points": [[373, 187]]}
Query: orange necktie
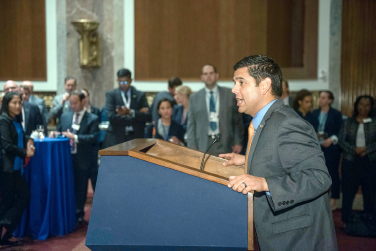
{"points": [[251, 131]]}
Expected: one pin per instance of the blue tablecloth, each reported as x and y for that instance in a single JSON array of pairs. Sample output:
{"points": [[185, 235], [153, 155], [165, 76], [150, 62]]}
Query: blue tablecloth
{"points": [[50, 177]]}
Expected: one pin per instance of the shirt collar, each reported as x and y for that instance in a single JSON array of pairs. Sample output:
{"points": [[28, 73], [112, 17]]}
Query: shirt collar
{"points": [[260, 115], [81, 112], [215, 89]]}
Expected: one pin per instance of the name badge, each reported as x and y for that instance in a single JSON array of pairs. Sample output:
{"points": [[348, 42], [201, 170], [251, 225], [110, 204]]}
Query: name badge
{"points": [[369, 120], [76, 127], [213, 117]]}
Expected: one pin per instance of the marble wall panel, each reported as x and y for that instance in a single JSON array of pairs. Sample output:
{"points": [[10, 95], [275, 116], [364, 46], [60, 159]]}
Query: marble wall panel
{"points": [[109, 14]]}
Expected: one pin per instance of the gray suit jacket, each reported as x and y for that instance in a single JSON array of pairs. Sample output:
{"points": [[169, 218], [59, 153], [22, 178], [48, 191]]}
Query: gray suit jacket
{"points": [[296, 216], [41, 105], [58, 108], [230, 121]]}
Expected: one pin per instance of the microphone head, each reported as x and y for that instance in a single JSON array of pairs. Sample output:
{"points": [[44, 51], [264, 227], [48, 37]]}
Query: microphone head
{"points": [[218, 136]]}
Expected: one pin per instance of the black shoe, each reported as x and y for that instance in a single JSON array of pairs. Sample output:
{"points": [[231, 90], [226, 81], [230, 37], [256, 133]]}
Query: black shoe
{"points": [[10, 243]]}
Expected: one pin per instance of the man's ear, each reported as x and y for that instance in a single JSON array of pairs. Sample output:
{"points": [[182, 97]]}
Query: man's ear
{"points": [[266, 85]]}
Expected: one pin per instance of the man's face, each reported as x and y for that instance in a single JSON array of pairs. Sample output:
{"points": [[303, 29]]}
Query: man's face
{"points": [[248, 95], [208, 76], [10, 86], [25, 94], [70, 85], [124, 83], [75, 103], [324, 99], [28, 84]]}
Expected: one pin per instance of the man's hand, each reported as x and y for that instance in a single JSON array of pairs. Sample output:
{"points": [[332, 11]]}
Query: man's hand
{"points": [[144, 110], [53, 134], [328, 142], [122, 111], [174, 140], [253, 183], [68, 134], [236, 148], [360, 151], [233, 159], [65, 98]]}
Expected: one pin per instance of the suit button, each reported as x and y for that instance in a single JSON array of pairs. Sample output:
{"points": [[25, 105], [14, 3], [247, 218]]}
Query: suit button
{"points": [[284, 203], [279, 203], [292, 201], [287, 202]]}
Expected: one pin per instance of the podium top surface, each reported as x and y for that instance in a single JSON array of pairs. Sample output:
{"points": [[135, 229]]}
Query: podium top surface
{"points": [[175, 157]]}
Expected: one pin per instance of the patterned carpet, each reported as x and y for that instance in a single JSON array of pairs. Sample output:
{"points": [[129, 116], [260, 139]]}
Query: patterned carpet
{"points": [[76, 241]]}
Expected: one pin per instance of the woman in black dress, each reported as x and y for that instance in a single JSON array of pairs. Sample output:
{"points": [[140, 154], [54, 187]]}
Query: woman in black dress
{"points": [[357, 140], [15, 194]]}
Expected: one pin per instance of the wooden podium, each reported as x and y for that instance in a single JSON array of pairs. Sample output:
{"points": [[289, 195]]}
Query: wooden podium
{"points": [[151, 195]]}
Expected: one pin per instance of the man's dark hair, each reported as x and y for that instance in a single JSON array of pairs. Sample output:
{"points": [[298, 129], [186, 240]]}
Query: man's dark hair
{"points": [[80, 94], [356, 113], [330, 95], [164, 100], [300, 97], [122, 73], [261, 67], [69, 78], [173, 81], [6, 100], [214, 68]]}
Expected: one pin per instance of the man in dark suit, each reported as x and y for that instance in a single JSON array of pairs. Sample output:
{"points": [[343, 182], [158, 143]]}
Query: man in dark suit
{"points": [[285, 166], [81, 128], [30, 116], [36, 101], [127, 111], [212, 110]]}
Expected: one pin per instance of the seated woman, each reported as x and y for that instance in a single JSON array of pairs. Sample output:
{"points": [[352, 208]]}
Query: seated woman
{"points": [[15, 194], [165, 128], [302, 105], [180, 112], [357, 140]]}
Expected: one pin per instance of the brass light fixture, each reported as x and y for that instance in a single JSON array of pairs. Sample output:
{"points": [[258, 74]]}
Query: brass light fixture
{"points": [[90, 50]]}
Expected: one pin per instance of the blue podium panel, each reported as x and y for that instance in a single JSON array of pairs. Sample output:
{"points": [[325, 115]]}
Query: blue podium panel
{"points": [[143, 206]]}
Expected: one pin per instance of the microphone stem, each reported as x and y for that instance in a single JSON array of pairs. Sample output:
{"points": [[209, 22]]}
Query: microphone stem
{"points": [[203, 158]]}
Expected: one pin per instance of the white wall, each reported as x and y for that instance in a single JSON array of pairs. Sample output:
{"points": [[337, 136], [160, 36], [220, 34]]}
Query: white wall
{"points": [[51, 42], [129, 56]]}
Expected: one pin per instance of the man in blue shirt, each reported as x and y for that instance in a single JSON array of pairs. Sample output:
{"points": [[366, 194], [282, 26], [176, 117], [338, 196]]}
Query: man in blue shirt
{"points": [[285, 166]]}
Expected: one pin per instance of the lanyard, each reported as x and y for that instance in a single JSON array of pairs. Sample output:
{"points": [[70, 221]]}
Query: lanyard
{"points": [[164, 131], [322, 121], [126, 102]]}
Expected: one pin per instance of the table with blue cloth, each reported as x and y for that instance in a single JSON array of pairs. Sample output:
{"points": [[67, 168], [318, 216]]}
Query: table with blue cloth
{"points": [[50, 177]]}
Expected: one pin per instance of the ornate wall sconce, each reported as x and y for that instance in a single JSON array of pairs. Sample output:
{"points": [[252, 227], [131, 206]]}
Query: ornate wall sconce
{"points": [[90, 50]]}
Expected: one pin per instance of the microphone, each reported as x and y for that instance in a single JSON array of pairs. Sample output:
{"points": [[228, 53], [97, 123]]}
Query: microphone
{"points": [[217, 137]]}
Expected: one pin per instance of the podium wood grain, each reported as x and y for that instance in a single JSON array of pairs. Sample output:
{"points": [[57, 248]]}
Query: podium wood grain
{"points": [[184, 160]]}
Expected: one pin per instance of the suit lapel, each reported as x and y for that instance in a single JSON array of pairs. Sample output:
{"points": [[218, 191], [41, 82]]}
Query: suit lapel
{"points": [[259, 130], [120, 97], [83, 122]]}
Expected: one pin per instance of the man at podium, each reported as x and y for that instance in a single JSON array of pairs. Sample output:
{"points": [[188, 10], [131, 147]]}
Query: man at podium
{"points": [[284, 164]]}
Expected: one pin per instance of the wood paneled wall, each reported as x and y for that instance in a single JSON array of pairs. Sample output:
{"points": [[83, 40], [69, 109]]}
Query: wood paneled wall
{"points": [[176, 38], [358, 57], [23, 40]]}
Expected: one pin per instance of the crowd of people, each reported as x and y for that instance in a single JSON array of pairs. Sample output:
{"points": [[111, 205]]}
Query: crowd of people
{"points": [[181, 117]]}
